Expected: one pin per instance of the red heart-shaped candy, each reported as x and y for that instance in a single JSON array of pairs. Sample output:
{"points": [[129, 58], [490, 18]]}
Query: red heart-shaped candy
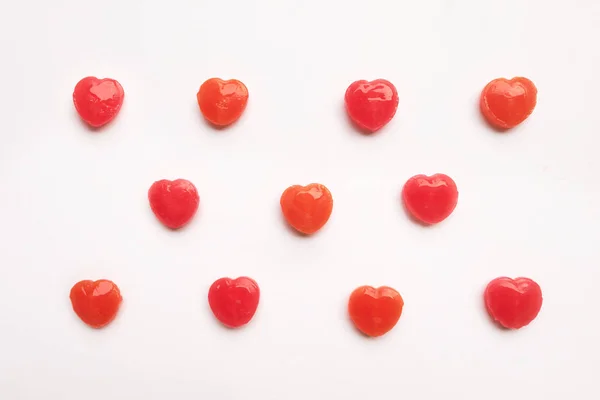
{"points": [[98, 101], [430, 199], [371, 105], [173, 202], [506, 103], [96, 302], [375, 312], [234, 301], [513, 303]]}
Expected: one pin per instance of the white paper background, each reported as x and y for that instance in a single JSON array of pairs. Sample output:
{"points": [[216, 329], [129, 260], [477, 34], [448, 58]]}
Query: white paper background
{"points": [[74, 202]]}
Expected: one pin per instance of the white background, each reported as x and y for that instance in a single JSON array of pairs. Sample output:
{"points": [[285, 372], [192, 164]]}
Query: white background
{"points": [[74, 202]]}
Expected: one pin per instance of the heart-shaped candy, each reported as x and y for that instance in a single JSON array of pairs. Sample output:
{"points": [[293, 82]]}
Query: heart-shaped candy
{"points": [[505, 103], [234, 301], [96, 302], [98, 101], [371, 105], [430, 199], [375, 312], [307, 208], [222, 102], [173, 202], [513, 303]]}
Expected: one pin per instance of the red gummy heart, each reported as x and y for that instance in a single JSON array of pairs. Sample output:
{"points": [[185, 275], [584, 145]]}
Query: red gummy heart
{"points": [[371, 105], [307, 208], [375, 312], [513, 303], [222, 102], [96, 302], [98, 101], [430, 199], [234, 301], [506, 103], [173, 202]]}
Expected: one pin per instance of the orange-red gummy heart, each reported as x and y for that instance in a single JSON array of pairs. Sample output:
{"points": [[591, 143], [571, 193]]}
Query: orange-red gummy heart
{"points": [[371, 105], [173, 202], [222, 102], [375, 312], [506, 103], [307, 208], [430, 199], [96, 302], [98, 101], [513, 303], [234, 301]]}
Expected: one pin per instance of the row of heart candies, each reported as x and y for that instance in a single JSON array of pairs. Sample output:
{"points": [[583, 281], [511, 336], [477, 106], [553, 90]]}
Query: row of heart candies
{"points": [[370, 104], [512, 303], [428, 199]]}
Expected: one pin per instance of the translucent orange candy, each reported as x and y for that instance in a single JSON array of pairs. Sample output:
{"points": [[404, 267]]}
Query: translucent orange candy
{"points": [[307, 208], [222, 102], [505, 103]]}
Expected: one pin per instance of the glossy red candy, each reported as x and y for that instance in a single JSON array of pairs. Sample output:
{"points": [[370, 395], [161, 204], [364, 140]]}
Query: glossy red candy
{"points": [[375, 312], [234, 301], [371, 105], [430, 199], [98, 101], [513, 303], [222, 102], [307, 208], [96, 302], [506, 103], [173, 202]]}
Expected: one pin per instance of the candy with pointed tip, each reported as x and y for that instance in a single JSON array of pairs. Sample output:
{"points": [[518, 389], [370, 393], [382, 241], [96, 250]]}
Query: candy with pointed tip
{"points": [[173, 202], [430, 199], [234, 301], [222, 102], [98, 101], [307, 208], [513, 303], [371, 105], [505, 103], [375, 311], [96, 303]]}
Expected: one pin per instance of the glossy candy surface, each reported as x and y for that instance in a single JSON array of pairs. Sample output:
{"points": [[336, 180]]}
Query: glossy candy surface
{"points": [[513, 303], [307, 208], [375, 312], [222, 102], [98, 101], [430, 199], [173, 202], [234, 301], [96, 302], [371, 105], [505, 103]]}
